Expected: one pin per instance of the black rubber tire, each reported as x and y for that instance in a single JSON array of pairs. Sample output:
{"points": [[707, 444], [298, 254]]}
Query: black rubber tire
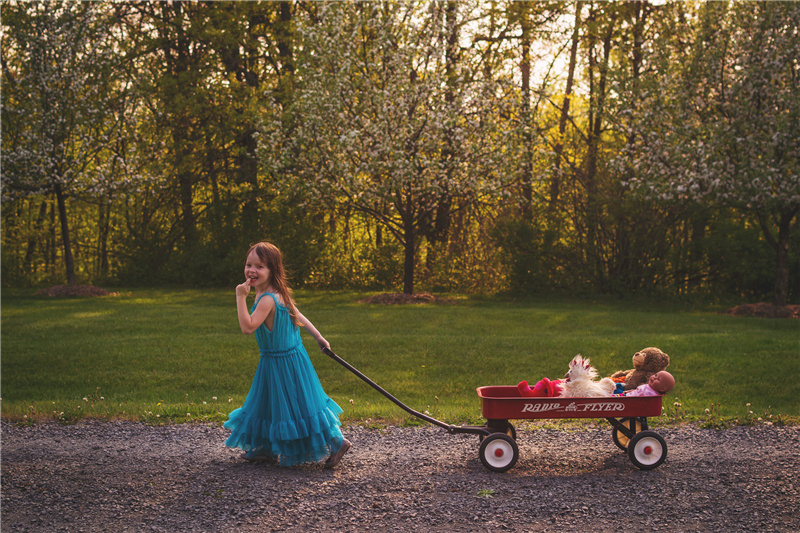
{"points": [[647, 450], [499, 452]]}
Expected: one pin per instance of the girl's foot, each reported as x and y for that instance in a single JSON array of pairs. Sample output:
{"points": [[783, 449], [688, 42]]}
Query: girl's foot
{"points": [[334, 459], [256, 455]]}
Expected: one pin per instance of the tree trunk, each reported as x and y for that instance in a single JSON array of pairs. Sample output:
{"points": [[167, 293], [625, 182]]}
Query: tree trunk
{"points": [[187, 201], [782, 265], [597, 95], [409, 256], [69, 262], [781, 246], [248, 173], [104, 227], [177, 53], [50, 261], [439, 233], [34, 238], [527, 135], [697, 243], [555, 184], [286, 52], [405, 207]]}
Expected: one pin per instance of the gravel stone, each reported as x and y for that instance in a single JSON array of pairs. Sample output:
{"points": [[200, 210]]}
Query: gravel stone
{"points": [[130, 477]]}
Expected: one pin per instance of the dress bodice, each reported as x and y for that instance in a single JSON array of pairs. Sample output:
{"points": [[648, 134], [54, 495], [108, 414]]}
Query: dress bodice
{"points": [[284, 335]]}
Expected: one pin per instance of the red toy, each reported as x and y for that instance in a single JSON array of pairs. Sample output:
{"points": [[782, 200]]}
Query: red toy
{"points": [[544, 389]]}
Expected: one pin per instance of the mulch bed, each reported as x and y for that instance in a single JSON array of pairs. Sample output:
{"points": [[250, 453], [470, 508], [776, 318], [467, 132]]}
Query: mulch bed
{"points": [[765, 310], [75, 290], [401, 299]]}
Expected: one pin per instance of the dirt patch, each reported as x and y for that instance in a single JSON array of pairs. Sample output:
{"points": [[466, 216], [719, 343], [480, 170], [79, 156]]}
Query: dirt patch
{"points": [[401, 299], [75, 290], [765, 310]]}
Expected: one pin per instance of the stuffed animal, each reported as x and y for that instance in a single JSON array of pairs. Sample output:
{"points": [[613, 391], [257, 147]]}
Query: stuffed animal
{"points": [[544, 389], [645, 363], [579, 381]]}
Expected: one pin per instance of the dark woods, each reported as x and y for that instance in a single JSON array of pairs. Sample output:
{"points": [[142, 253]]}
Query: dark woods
{"points": [[610, 147]]}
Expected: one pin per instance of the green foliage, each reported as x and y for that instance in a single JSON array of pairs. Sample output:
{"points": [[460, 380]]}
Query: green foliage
{"points": [[352, 262], [533, 258], [740, 261], [728, 140], [188, 131]]}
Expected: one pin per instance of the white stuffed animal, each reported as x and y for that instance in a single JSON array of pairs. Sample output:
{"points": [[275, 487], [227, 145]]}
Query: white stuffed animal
{"points": [[579, 381]]}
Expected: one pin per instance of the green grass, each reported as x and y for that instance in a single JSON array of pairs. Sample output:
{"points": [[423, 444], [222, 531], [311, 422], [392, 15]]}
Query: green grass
{"points": [[162, 355]]}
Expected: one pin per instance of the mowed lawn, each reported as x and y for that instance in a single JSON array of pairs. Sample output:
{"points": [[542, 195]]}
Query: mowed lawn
{"points": [[177, 355]]}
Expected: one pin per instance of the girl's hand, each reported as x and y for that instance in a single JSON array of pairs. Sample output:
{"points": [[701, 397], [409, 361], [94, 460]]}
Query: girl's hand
{"points": [[323, 344], [243, 290]]}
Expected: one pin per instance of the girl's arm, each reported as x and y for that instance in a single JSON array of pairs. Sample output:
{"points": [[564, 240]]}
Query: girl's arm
{"points": [[314, 332], [249, 323]]}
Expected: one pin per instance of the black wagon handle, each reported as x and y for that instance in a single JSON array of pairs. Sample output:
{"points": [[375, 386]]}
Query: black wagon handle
{"points": [[351, 368]]}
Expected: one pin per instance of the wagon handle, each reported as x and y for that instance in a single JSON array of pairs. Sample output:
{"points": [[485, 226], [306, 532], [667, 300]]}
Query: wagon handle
{"points": [[351, 368]]}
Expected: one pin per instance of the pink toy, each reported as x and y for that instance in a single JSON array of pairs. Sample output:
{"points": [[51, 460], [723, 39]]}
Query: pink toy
{"points": [[544, 389]]}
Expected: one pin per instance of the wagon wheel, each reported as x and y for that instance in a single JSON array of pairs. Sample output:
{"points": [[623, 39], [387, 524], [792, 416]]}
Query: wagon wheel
{"points": [[508, 429], [620, 439], [499, 452], [647, 449]]}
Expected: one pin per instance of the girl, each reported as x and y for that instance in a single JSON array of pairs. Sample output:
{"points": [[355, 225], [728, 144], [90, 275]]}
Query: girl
{"points": [[286, 416]]}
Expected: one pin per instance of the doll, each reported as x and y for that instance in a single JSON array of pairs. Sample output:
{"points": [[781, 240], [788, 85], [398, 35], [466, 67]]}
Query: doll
{"points": [[659, 383]]}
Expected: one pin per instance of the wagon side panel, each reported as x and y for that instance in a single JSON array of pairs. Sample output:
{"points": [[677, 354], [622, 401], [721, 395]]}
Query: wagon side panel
{"points": [[504, 402]]}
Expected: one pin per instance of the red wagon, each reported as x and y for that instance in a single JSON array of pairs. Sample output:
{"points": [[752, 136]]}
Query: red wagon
{"points": [[627, 415], [499, 451]]}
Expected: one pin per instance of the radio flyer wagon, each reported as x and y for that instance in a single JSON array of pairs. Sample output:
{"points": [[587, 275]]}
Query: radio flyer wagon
{"points": [[499, 404]]}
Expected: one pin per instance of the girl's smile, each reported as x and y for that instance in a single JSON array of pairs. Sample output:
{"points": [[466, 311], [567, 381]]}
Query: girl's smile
{"points": [[256, 272]]}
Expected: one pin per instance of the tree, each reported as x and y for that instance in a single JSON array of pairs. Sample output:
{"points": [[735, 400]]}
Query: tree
{"points": [[558, 143], [381, 120], [56, 64], [722, 127]]}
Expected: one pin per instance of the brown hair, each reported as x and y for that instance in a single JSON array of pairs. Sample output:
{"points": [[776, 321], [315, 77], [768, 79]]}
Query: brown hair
{"points": [[271, 256]]}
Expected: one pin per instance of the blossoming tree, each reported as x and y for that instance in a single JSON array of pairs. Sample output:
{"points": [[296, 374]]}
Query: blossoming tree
{"points": [[383, 131], [723, 126], [57, 114]]}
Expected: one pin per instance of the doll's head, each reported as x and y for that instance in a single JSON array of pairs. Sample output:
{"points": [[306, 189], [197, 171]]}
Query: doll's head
{"points": [[661, 382]]}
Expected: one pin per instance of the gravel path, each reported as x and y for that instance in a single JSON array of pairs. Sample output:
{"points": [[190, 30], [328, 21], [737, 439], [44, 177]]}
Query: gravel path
{"points": [[126, 477]]}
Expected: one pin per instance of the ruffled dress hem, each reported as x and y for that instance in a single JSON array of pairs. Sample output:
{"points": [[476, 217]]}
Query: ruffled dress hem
{"points": [[292, 442]]}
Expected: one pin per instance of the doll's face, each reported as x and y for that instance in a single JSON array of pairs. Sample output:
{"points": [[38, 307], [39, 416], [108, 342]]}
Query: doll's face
{"points": [[662, 382]]}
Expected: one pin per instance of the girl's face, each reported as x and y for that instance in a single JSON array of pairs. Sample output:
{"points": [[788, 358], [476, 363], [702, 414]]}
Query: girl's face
{"points": [[256, 271]]}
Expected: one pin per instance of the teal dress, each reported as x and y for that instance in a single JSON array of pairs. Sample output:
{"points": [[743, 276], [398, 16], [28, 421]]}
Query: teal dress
{"points": [[286, 414]]}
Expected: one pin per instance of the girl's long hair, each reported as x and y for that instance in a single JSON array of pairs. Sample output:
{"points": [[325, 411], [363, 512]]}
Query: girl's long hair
{"points": [[271, 256]]}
